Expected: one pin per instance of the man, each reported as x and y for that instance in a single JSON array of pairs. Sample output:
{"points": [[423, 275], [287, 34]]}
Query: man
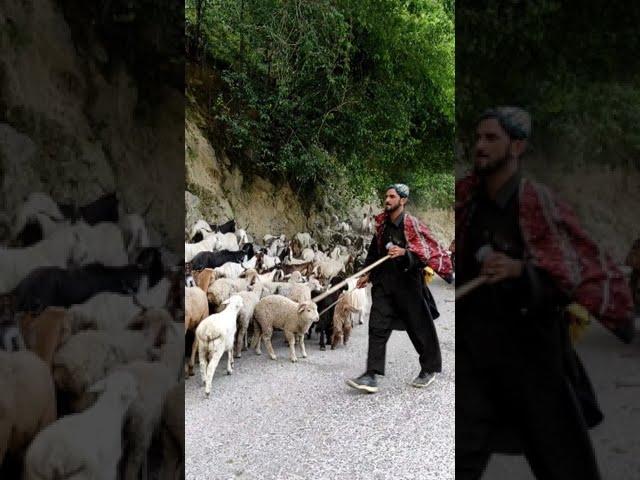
{"points": [[400, 299], [520, 387]]}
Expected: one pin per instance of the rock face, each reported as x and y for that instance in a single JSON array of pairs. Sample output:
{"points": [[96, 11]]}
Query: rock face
{"points": [[218, 191], [76, 122]]}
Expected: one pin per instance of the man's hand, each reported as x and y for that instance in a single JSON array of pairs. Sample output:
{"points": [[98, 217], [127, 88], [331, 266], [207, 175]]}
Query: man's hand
{"points": [[362, 281], [498, 266], [396, 251]]}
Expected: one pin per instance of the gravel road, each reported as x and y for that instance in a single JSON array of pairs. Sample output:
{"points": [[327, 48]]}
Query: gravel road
{"points": [[285, 421]]}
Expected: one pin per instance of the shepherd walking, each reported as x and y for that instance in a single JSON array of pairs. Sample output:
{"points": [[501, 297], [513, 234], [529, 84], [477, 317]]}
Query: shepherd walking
{"points": [[401, 299]]}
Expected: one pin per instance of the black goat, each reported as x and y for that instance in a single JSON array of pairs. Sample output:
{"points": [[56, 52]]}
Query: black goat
{"points": [[227, 227], [58, 287], [103, 209], [324, 326], [216, 259]]}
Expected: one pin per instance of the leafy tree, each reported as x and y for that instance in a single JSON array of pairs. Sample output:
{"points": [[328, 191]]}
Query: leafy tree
{"points": [[314, 90]]}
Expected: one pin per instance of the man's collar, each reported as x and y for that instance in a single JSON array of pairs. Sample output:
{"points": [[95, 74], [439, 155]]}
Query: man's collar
{"points": [[398, 221], [507, 191]]}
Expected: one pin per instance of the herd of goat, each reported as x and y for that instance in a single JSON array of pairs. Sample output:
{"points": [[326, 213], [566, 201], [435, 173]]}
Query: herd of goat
{"points": [[91, 345], [237, 289], [92, 359]]}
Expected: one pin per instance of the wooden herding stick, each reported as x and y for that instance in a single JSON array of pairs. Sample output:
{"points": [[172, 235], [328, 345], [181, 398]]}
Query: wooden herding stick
{"points": [[355, 275]]}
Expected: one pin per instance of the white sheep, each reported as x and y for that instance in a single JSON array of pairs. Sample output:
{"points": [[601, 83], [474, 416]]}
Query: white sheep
{"points": [[89, 442], [249, 301], [328, 268], [215, 335], [221, 289], [88, 356], [298, 292], [276, 311], [113, 311], [144, 415]]}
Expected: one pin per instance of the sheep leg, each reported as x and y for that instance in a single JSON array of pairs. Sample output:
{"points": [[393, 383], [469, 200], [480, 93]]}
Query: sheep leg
{"points": [[267, 341], [217, 349], [347, 333], [230, 361], [256, 342], [239, 339], [335, 338], [202, 356], [136, 458], [302, 348], [192, 360], [291, 339]]}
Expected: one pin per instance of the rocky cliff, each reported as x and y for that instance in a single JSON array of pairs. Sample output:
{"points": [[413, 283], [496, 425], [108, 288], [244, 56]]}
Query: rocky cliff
{"points": [[77, 115]]}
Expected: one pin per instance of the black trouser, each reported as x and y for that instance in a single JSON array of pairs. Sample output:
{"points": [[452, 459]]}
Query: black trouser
{"points": [[537, 408], [407, 308]]}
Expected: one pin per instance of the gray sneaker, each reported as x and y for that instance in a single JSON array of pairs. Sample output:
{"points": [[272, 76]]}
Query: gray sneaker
{"points": [[366, 383], [423, 379]]}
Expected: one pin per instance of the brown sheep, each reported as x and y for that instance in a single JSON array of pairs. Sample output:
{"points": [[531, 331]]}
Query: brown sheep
{"points": [[342, 325], [196, 309], [27, 403], [44, 333]]}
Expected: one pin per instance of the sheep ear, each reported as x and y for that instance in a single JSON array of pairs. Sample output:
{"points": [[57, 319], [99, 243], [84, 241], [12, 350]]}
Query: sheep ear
{"points": [[98, 387], [301, 307], [226, 302]]}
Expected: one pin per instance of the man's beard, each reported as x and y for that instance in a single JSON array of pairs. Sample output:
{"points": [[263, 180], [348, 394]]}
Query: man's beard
{"points": [[490, 168], [390, 209]]}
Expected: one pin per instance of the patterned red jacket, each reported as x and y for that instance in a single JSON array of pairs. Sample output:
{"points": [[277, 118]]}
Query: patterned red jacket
{"points": [[419, 241], [555, 243]]}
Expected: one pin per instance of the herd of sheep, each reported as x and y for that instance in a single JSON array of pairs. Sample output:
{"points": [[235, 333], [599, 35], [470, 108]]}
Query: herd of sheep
{"points": [[237, 288], [91, 347]]}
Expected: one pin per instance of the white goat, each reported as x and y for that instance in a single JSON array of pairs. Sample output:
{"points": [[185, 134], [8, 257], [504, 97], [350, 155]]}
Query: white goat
{"points": [[135, 233], [202, 227], [207, 244], [226, 241], [59, 250], [41, 208], [229, 270]]}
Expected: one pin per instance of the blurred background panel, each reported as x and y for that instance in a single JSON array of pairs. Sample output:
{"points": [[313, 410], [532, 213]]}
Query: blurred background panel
{"points": [[573, 66], [91, 262]]}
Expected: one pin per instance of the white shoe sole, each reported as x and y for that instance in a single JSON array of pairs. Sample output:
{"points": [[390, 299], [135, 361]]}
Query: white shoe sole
{"points": [[363, 388], [423, 385]]}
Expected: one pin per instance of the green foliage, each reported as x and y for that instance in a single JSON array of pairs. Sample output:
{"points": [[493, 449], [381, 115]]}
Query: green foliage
{"points": [[314, 89]]}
